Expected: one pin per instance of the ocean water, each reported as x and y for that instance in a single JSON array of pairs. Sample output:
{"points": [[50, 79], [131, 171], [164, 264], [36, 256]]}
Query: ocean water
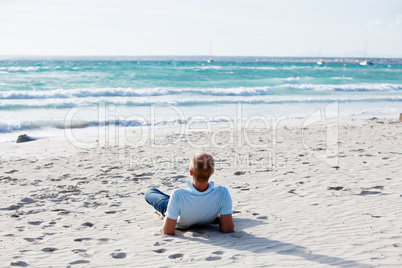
{"points": [[45, 95]]}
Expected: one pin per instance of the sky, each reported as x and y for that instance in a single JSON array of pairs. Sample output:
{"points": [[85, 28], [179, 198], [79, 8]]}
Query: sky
{"points": [[317, 28]]}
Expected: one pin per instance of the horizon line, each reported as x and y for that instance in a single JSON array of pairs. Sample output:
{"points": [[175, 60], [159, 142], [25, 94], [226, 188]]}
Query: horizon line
{"points": [[193, 56]]}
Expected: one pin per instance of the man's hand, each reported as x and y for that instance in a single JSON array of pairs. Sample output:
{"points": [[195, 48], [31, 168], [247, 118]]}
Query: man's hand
{"points": [[226, 224], [169, 226]]}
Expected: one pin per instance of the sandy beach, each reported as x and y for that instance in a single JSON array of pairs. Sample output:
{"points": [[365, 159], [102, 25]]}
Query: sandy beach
{"points": [[295, 202], [298, 102]]}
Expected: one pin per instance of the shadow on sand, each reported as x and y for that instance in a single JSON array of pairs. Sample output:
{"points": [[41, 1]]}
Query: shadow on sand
{"points": [[244, 241]]}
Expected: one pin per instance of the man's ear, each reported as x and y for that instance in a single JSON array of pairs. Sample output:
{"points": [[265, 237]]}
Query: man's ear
{"points": [[191, 172]]}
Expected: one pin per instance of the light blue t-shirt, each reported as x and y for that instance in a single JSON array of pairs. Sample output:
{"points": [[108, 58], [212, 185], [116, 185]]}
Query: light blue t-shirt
{"points": [[191, 207]]}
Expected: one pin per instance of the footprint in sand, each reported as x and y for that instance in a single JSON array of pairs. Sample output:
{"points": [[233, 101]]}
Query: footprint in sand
{"points": [[111, 212], [176, 256], [79, 262], [14, 207], [213, 258], [369, 192], [337, 188], [237, 235], [119, 255], [48, 165], [366, 191], [195, 234], [35, 222], [82, 239], [78, 250], [378, 187], [19, 263], [11, 171], [179, 177], [49, 249], [28, 200], [36, 182], [88, 224]]}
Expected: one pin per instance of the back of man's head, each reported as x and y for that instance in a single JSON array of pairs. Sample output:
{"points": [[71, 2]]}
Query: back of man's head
{"points": [[202, 166]]}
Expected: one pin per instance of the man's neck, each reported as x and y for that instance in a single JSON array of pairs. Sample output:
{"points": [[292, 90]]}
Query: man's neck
{"points": [[200, 186]]}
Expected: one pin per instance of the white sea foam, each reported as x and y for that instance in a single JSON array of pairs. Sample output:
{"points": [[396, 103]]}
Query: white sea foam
{"points": [[233, 91], [195, 68], [81, 93], [131, 92], [18, 69], [338, 78], [186, 100], [61, 124], [295, 79], [348, 87], [291, 79], [56, 121], [261, 68]]}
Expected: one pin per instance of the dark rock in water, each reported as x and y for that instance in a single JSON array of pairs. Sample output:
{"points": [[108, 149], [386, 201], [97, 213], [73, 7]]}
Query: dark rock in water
{"points": [[24, 138]]}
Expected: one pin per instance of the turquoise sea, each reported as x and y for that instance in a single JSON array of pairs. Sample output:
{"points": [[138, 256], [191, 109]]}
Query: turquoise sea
{"points": [[39, 94]]}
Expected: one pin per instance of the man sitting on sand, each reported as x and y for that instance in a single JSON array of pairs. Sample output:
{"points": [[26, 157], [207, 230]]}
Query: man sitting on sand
{"points": [[200, 204]]}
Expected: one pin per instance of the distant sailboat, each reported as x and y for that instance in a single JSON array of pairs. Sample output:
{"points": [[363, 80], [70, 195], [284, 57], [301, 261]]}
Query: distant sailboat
{"points": [[366, 61], [320, 61], [210, 53]]}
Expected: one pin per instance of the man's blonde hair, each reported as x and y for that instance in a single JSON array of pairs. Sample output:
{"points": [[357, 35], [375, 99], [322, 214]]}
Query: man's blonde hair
{"points": [[202, 166]]}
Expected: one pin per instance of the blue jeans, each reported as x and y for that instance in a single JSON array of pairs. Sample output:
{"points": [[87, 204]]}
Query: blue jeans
{"points": [[157, 199]]}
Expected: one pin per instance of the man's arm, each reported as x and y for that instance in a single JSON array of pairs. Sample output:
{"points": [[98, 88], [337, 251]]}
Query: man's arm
{"points": [[169, 226], [226, 224]]}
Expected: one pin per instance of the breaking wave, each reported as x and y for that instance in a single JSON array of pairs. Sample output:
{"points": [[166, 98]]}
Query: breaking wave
{"points": [[17, 69], [234, 91]]}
